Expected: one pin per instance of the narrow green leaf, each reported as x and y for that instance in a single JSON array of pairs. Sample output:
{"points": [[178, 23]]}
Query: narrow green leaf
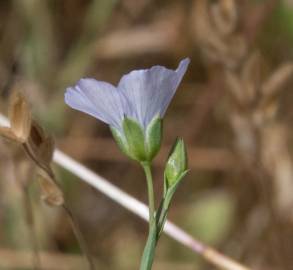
{"points": [[171, 190], [166, 202]]}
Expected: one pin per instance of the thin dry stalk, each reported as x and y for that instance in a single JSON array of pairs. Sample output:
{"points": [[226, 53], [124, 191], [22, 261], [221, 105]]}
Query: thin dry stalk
{"points": [[32, 230], [22, 173], [79, 236]]}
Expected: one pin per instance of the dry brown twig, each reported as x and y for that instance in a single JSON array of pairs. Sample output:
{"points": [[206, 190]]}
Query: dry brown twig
{"points": [[30, 136], [39, 147]]}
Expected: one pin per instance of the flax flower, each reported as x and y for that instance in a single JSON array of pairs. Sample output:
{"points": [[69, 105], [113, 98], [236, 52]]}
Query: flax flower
{"points": [[141, 95]]}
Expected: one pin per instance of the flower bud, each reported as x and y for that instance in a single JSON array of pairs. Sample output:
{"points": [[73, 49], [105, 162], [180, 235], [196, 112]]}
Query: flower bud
{"points": [[176, 166]]}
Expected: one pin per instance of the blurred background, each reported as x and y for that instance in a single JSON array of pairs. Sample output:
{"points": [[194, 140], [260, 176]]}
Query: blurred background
{"points": [[233, 109]]}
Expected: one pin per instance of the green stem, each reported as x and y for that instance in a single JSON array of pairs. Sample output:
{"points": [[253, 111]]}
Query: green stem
{"points": [[149, 250], [151, 196]]}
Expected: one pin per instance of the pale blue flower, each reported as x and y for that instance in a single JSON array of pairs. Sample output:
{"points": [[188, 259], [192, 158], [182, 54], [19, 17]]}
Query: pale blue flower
{"points": [[140, 95]]}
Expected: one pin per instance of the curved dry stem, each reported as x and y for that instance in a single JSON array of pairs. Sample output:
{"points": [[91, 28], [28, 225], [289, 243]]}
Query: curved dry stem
{"points": [[32, 229], [79, 237]]}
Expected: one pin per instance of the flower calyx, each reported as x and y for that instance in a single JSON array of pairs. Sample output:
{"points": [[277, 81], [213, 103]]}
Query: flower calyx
{"points": [[138, 143]]}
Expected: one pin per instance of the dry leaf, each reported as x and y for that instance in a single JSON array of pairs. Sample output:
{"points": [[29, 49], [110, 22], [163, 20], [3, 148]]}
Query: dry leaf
{"points": [[51, 192], [235, 87], [204, 31], [277, 80], [278, 163], [36, 144], [46, 150], [40, 145], [237, 50], [251, 76], [224, 15], [214, 28], [20, 116], [8, 134]]}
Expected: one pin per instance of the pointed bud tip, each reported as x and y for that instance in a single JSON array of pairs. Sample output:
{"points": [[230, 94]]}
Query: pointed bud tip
{"points": [[177, 163]]}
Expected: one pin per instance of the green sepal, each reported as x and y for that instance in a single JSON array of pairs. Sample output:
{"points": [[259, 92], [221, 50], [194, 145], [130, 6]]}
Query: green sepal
{"points": [[176, 163], [134, 136], [121, 141], [153, 137]]}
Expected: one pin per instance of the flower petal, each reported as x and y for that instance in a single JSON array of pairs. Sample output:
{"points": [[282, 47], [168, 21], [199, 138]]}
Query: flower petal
{"points": [[150, 91], [99, 99]]}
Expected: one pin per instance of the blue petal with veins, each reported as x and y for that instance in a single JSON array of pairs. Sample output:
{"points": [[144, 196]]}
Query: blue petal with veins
{"points": [[140, 94]]}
